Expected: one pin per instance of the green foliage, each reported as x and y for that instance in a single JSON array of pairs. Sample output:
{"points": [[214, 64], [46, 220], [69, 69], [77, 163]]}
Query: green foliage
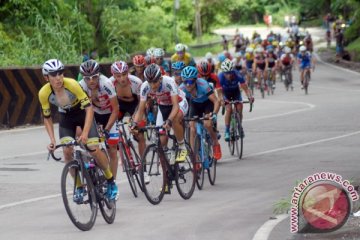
{"points": [[354, 49]]}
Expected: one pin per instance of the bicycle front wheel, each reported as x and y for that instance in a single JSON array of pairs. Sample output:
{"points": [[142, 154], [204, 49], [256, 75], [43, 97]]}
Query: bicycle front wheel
{"points": [[306, 82], [239, 137], [152, 175], [199, 166], [107, 207], [185, 175], [81, 206], [212, 166], [232, 139]]}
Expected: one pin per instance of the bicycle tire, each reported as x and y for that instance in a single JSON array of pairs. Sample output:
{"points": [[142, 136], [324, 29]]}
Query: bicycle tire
{"points": [[231, 142], [66, 178], [306, 82], [240, 142], [212, 167], [128, 170], [199, 166], [152, 165], [185, 175], [107, 207], [137, 165]]}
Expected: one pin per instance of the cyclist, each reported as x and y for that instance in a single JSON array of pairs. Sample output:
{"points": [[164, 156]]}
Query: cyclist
{"points": [[209, 59], [159, 54], [231, 82], [75, 109], [182, 55], [305, 61], [176, 69], [204, 72], [106, 108], [272, 63], [249, 61], [239, 62], [286, 62], [202, 101], [139, 66], [172, 106], [127, 88], [260, 64]]}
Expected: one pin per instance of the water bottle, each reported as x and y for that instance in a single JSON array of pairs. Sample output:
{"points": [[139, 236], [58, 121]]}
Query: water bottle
{"points": [[172, 156]]}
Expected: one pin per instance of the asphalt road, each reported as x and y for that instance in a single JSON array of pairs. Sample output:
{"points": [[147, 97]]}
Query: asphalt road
{"points": [[289, 136]]}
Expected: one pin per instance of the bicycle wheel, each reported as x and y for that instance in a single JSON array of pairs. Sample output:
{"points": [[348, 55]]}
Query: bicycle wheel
{"points": [[239, 137], [135, 165], [199, 166], [82, 212], [128, 169], [232, 139], [212, 166], [107, 207], [152, 175], [306, 82], [262, 89], [185, 175]]}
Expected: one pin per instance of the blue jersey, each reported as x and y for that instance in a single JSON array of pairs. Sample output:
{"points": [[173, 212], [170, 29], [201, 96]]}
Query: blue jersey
{"points": [[231, 87], [305, 60], [203, 91]]}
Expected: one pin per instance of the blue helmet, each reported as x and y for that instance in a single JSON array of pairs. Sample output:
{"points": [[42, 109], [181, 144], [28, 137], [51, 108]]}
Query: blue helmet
{"points": [[178, 65], [221, 57], [189, 72]]}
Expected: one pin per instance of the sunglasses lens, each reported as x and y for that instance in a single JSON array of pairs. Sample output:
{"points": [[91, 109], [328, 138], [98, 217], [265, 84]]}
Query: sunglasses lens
{"points": [[54, 74]]}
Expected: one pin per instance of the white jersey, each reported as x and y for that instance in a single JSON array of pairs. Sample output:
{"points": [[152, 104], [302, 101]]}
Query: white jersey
{"points": [[101, 98], [135, 84], [167, 89]]}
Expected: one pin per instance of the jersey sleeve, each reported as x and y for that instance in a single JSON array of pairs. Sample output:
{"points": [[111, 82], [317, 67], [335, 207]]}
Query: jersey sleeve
{"points": [[109, 88], [44, 100], [144, 91], [217, 81], [79, 93], [171, 86]]}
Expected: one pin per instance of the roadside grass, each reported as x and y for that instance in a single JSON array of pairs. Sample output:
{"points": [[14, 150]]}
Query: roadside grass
{"points": [[354, 49]]}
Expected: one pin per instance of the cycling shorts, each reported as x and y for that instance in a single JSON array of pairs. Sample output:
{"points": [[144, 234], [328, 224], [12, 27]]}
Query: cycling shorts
{"points": [[165, 110], [127, 107], [228, 96], [198, 109]]}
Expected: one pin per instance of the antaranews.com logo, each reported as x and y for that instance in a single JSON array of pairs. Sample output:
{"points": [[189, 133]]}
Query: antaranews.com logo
{"points": [[321, 203]]}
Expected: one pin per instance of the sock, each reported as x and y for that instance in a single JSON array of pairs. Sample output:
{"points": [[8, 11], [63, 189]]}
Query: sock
{"points": [[227, 128], [181, 144], [108, 174]]}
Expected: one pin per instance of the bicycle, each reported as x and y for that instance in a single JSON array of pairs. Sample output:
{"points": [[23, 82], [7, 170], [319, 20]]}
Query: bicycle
{"points": [[131, 162], [251, 80], [151, 116], [204, 159], [288, 78], [236, 129], [306, 80], [261, 84], [84, 172], [269, 83], [161, 170]]}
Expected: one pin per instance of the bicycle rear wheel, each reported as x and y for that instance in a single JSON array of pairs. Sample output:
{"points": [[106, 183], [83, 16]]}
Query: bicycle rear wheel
{"points": [[212, 166], [199, 167], [185, 175], [107, 207], [128, 170], [152, 175], [306, 82], [232, 139], [82, 212]]}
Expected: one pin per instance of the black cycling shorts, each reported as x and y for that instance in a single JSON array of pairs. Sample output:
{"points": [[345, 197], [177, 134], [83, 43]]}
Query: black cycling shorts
{"points": [[127, 107], [198, 109]]}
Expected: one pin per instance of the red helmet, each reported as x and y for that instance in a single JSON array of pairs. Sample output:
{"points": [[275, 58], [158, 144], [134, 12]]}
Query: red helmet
{"points": [[138, 60], [149, 60], [204, 68]]}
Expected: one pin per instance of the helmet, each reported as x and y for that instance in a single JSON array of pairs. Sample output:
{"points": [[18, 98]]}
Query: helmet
{"points": [[227, 65], [249, 50], [149, 60], [152, 73], [89, 68], [119, 67], [259, 50], [281, 44], [238, 54], [150, 51], [287, 50], [138, 60], [204, 68], [270, 48], [208, 55], [178, 65], [302, 49], [221, 57], [52, 65], [180, 47], [189, 72], [158, 52], [270, 39]]}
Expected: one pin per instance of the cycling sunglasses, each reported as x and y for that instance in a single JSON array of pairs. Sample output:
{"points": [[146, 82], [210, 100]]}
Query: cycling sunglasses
{"points": [[189, 81], [54, 74], [91, 77]]}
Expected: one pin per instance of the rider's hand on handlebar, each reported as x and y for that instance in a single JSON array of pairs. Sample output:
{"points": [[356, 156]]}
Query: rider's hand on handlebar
{"points": [[51, 147], [134, 128], [251, 99], [167, 125]]}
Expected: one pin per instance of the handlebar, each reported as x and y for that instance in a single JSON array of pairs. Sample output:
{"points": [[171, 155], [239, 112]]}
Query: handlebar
{"points": [[237, 101], [69, 144]]}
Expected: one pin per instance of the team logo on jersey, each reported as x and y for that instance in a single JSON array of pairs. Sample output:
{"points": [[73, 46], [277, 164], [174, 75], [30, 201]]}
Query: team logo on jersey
{"points": [[108, 91], [145, 90]]}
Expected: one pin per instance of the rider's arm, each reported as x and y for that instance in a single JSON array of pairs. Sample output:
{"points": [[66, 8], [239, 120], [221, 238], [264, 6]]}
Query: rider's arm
{"points": [[50, 129], [215, 101], [114, 113], [140, 111], [246, 89], [175, 107], [89, 117]]}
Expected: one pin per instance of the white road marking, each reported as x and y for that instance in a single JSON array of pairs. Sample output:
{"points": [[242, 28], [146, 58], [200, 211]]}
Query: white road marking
{"points": [[264, 231]]}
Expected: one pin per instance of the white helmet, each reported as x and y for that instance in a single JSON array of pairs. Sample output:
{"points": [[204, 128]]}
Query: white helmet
{"points": [[52, 65], [238, 54], [227, 65], [180, 47], [287, 50], [158, 52], [302, 48], [259, 50], [281, 44], [150, 52], [249, 50], [208, 55]]}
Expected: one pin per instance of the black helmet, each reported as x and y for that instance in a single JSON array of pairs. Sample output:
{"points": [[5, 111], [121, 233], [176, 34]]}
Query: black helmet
{"points": [[152, 73], [89, 68]]}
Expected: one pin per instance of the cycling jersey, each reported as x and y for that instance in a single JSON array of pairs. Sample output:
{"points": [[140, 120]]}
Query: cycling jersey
{"points": [[271, 59], [74, 99], [305, 60], [286, 59], [249, 60], [238, 64], [162, 95], [260, 61], [203, 91], [213, 80], [101, 99], [231, 88], [188, 59]]}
